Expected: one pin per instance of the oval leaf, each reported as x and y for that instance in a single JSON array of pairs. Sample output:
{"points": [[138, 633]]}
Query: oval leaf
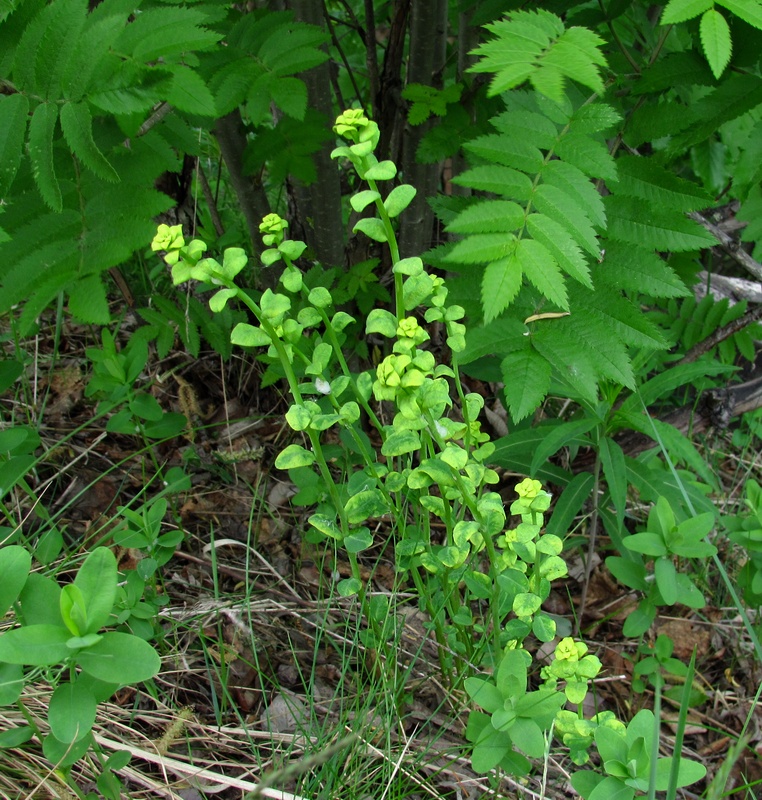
{"points": [[120, 658]]}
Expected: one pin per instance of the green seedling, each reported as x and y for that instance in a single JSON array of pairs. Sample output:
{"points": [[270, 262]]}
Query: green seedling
{"points": [[664, 541], [63, 638]]}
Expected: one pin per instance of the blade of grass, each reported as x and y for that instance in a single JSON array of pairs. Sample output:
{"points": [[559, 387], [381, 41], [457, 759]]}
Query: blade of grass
{"points": [[682, 717]]}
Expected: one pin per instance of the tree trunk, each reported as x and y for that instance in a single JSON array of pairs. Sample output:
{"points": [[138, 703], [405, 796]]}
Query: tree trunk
{"points": [[428, 49], [387, 104], [231, 137], [325, 234], [468, 38]]}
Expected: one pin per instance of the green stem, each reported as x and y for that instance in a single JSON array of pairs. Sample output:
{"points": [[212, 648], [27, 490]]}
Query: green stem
{"points": [[346, 371], [391, 238]]}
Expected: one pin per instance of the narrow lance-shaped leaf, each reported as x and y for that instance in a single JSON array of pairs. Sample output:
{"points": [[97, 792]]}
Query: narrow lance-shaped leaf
{"points": [[500, 285], [526, 375], [748, 10], [682, 10], [77, 126], [13, 115], [715, 39], [41, 130]]}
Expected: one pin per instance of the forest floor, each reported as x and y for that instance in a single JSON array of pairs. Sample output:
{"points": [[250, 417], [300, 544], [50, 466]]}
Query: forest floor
{"points": [[265, 682]]}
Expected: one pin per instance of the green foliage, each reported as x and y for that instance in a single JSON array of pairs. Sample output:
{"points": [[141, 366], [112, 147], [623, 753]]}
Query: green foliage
{"points": [[67, 634], [627, 757], [433, 470], [745, 530], [426, 100], [80, 89], [112, 382], [664, 540]]}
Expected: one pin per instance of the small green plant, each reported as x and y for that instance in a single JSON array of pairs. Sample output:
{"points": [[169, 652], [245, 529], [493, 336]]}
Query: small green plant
{"points": [[631, 763], [63, 639], [658, 661], [664, 541], [745, 530], [481, 583], [113, 383]]}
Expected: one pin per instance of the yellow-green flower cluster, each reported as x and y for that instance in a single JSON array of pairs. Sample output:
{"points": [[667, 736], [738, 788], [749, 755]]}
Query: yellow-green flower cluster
{"points": [[170, 239], [364, 134], [573, 664], [532, 503], [271, 228], [409, 330], [353, 125], [395, 374]]}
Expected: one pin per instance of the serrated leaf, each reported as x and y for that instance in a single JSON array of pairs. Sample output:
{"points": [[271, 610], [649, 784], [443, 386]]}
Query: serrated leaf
{"points": [[715, 39], [87, 59], [560, 207], [500, 285], [501, 149], [526, 375], [607, 352], [617, 314], [500, 336], [189, 93], [41, 129], [38, 45], [632, 222], [561, 246], [497, 179], [488, 216], [88, 301], [675, 69], [482, 248], [541, 269], [77, 127], [157, 33], [588, 154], [576, 55], [748, 10], [14, 110], [290, 95], [644, 178], [572, 361], [736, 94], [632, 268], [681, 10], [574, 183], [529, 125], [595, 118]]}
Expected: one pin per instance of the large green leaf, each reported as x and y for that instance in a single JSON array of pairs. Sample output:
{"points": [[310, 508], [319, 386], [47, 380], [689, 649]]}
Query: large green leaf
{"points": [[120, 658], [35, 645]]}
